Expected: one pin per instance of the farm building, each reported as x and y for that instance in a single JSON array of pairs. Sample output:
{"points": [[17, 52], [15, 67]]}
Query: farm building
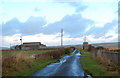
{"points": [[30, 46]]}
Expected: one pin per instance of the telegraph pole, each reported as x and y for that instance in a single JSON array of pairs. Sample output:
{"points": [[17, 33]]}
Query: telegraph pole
{"points": [[10, 46], [61, 37]]}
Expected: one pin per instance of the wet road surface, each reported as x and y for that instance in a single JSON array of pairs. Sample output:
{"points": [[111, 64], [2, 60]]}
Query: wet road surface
{"points": [[66, 66]]}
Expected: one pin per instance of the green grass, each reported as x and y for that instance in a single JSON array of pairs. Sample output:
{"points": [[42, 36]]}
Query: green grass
{"points": [[93, 67], [84, 52], [27, 52], [37, 51]]}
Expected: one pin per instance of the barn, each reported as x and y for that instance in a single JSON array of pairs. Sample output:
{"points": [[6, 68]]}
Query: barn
{"points": [[30, 46]]}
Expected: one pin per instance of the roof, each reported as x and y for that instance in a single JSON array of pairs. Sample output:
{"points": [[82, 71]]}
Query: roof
{"points": [[32, 43]]}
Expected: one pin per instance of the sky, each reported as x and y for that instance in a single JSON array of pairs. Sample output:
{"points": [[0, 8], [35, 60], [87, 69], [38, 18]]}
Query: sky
{"points": [[42, 21]]}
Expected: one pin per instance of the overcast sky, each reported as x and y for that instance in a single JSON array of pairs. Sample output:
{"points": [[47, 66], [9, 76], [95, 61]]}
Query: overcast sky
{"points": [[41, 21]]}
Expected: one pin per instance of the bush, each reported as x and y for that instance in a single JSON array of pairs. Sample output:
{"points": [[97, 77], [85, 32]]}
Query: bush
{"points": [[51, 55]]}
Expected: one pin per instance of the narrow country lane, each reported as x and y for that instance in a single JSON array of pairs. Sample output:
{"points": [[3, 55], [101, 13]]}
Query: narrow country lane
{"points": [[67, 66]]}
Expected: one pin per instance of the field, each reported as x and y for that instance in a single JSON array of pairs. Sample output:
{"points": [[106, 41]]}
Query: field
{"points": [[113, 48], [25, 52], [24, 63]]}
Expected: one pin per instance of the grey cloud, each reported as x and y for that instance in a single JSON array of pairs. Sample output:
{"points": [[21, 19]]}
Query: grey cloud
{"points": [[32, 26], [100, 31], [11, 27], [74, 25]]}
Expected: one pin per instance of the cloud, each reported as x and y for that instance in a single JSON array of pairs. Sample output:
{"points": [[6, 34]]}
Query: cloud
{"points": [[75, 29], [51, 39], [100, 31], [54, 39], [78, 6], [72, 24], [46, 27], [37, 9], [32, 26], [11, 27], [105, 38]]}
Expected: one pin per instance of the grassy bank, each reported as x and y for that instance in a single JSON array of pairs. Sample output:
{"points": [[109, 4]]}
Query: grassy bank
{"points": [[22, 64], [93, 67], [28, 70]]}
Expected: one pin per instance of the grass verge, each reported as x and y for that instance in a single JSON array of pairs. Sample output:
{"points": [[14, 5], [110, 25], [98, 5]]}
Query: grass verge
{"points": [[84, 52], [93, 67]]}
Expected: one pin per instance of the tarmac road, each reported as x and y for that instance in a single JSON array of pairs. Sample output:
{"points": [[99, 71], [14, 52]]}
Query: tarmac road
{"points": [[66, 66]]}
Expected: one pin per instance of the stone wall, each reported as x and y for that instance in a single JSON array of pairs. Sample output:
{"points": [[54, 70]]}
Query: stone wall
{"points": [[105, 55]]}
